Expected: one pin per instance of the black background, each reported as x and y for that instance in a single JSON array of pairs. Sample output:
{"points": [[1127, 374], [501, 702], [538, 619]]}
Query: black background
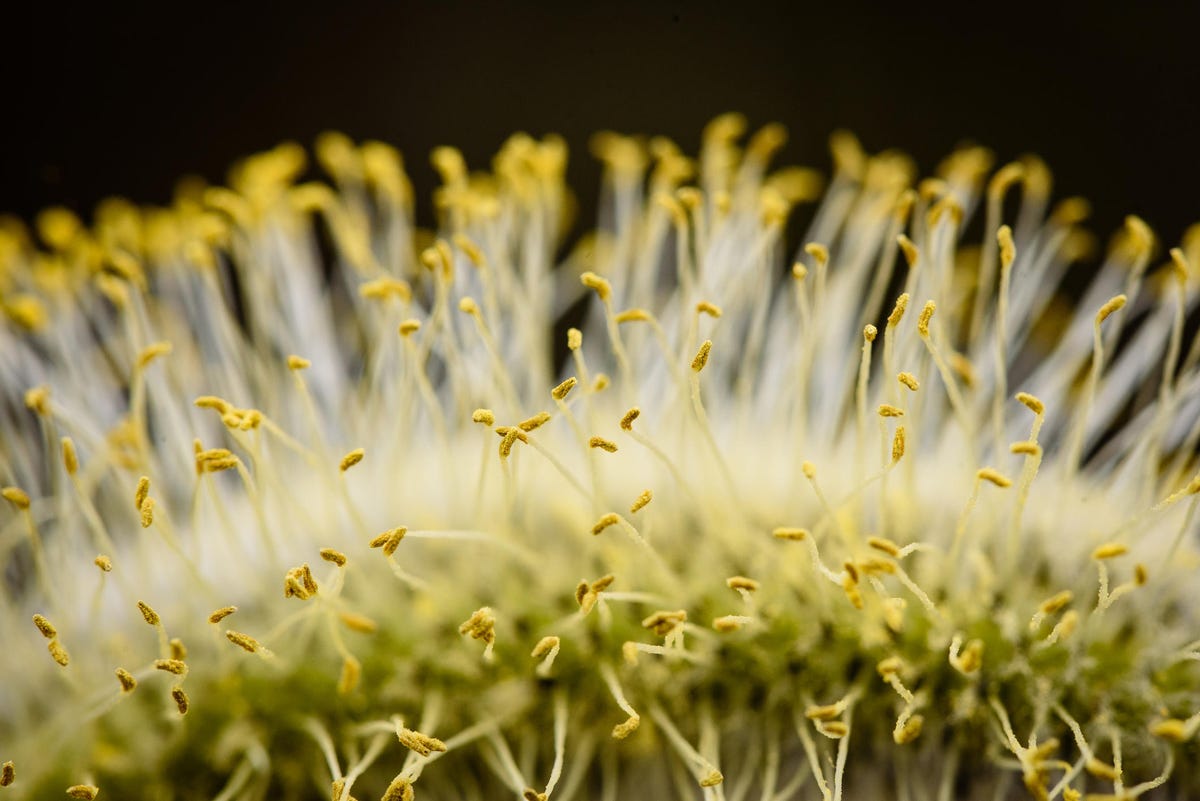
{"points": [[124, 100]]}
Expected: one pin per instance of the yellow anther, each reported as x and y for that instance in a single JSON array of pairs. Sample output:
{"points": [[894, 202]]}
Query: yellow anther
{"points": [[897, 314], [876, 567], [597, 284], [178, 649], [1026, 448], [712, 778], [511, 435], [45, 627], [152, 352], [633, 316], [909, 380], [898, 444], [711, 309], [148, 613], [1140, 575], [147, 513], [8, 774], [336, 557], [296, 363], [885, 545], [176, 666], [423, 744], [1056, 602], [16, 496], [58, 653], [819, 252], [1071, 794], [1004, 178], [909, 730], [640, 503], [483, 416], [600, 383], [221, 614], [544, 646], [809, 469], [850, 587], [823, 712], [409, 327], [37, 400], [741, 583], [994, 476], [1110, 550], [574, 339], [360, 623], [1171, 729], [785, 533], [534, 423], [386, 288], [623, 730], [799, 271], [630, 416], [603, 444], [399, 790], [1008, 251], [389, 540], [962, 365], [851, 571], [664, 622], [702, 356], [887, 410], [104, 563], [468, 305], [834, 728], [911, 254], [243, 641], [216, 465], [870, 332], [1114, 304], [890, 666], [1179, 264], [926, 316], [181, 700], [141, 493], [69, 456], [348, 679], [893, 613], [1030, 402], [481, 625], [1102, 770], [27, 311], [562, 390], [1066, 627], [629, 652], [970, 659], [126, 679], [1140, 235], [350, 459], [220, 405], [88, 792], [848, 155], [610, 519]]}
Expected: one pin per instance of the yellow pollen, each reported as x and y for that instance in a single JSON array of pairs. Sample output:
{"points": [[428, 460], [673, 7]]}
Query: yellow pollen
{"points": [[825, 712], [16, 496], [597, 284], [1032, 403], [809, 469], [909, 380], [1008, 251], [45, 627], [834, 728], [481, 625], [970, 659], [128, 682], [663, 623], [409, 327], [213, 402], [423, 744], [712, 310], [348, 679], [794, 534], [911, 254], [296, 363], [603, 444], [181, 699], [885, 545], [1026, 448], [152, 352], [534, 423], [8, 774], [1110, 550], [799, 271], [58, 653], [630, 416], [600, 383], [1171, 729], [1056, 602], [574, 339], [1140, 575], [909, 731], [69, 456], [243, 641], [336, 557], [610, 519], [544, 646], [887, 410], [819, 252], [221, 614], [104, 563], [1114, 304], [360, 623], [870, 332], [712, 778], [468, 305], [994, 476], [897, 314], [178, 649], [176, 666], [926, 316], [889, 666], [741, 583], [85, 791], [483, 416], [1102, 770], [147, 517], [149, 614], [702, 356], [633, 316], [641, 501], [399, 790], [623, 730], [37, 400], [562, 390]]}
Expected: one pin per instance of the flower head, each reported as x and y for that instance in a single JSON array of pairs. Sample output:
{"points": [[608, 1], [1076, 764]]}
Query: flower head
{"points": [[305, 499]]}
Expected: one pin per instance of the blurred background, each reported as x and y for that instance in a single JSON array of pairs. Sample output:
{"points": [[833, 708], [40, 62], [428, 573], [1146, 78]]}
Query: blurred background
{"points": [[125, 101]]}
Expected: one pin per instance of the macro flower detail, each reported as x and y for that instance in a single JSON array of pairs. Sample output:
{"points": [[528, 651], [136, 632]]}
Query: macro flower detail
{"points": [[655, 513]]}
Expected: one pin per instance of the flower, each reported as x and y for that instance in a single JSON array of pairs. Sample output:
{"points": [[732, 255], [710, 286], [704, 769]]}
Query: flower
{"points": [[305, 499]]}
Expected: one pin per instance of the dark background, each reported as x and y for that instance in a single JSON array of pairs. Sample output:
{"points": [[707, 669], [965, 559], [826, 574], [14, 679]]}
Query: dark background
{"points": [[126, 100]]}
